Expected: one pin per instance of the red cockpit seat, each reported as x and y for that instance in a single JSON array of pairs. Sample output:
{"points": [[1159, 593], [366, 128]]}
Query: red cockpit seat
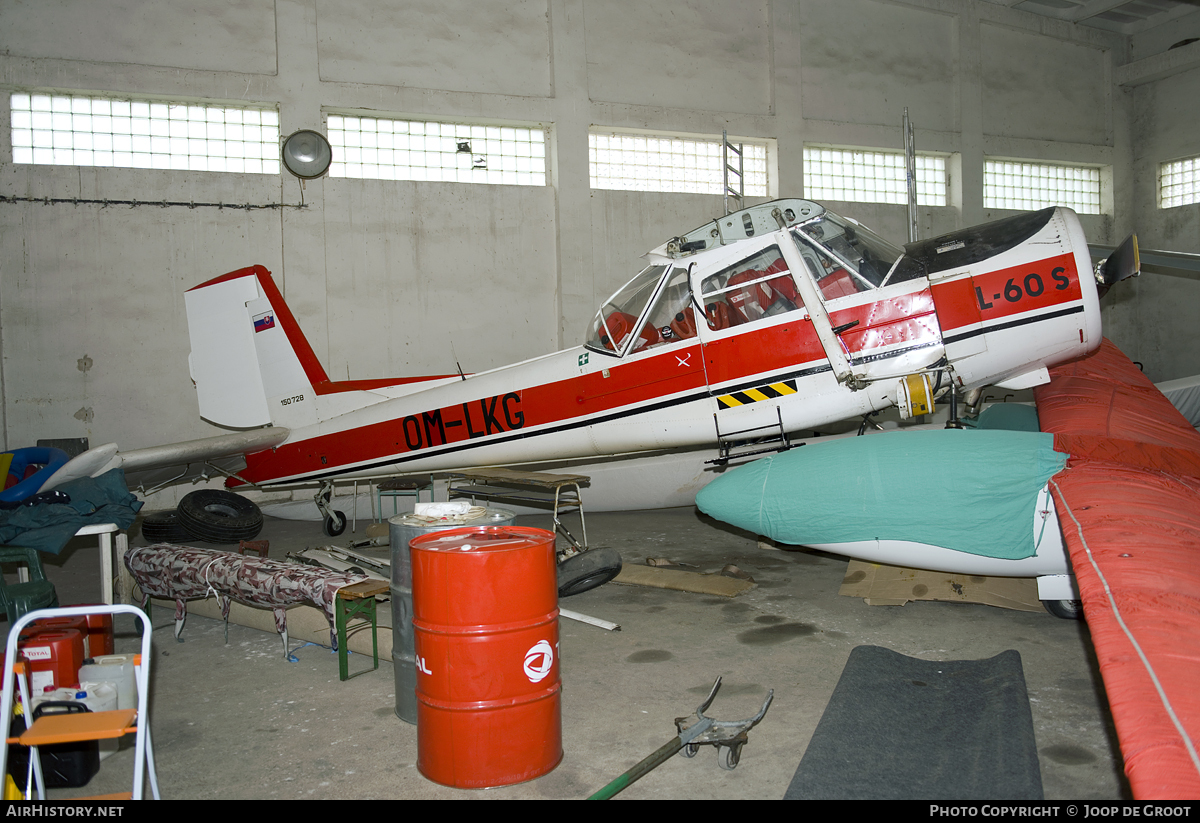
{"points": [[721, 316], [684, 324], [749, 299], [619, 325], [766, 296], [784, 286], [837, 283]]}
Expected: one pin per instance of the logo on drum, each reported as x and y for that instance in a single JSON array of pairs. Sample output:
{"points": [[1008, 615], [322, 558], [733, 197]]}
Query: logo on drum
{"points": [[538, 661]]}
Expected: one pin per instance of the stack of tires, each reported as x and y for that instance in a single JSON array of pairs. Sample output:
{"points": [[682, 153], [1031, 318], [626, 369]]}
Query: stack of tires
{"points": [[209, 515]]}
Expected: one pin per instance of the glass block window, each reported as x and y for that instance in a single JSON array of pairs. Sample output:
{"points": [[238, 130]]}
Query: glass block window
{"points": [[76, 130], [1179, 183], [382, 148], [639, 162], [1013, 184], [865, 176]]}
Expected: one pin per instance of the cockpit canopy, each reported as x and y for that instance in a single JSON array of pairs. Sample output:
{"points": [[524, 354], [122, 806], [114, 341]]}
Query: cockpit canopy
{"points": [[869, 261], [659, 306]]}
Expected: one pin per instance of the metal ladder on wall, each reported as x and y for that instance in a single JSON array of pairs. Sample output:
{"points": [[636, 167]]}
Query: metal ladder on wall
{"points": [[738, 193], [71, 728]]}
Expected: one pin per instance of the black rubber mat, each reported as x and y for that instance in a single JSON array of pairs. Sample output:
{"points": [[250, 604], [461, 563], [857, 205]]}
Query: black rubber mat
{"points": [[899, 728]]}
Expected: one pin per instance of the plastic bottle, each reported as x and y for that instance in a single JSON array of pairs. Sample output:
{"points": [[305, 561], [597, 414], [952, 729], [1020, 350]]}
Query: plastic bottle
{"points": [[115, 670]]}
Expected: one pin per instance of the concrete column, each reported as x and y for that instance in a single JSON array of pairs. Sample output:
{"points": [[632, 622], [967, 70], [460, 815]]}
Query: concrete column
{"points": [[786, 98], [570, 167], [303, 278]]}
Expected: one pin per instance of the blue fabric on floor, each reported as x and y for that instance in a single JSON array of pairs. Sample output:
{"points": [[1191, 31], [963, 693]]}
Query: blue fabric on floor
{"points": [[94, 500]]}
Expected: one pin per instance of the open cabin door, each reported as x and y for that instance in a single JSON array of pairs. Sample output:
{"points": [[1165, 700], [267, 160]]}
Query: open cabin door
{"points": [[763, 356], [876, 320]]}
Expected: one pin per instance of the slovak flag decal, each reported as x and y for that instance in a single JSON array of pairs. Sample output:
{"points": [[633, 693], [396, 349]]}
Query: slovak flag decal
{"points": [[264, 322]]}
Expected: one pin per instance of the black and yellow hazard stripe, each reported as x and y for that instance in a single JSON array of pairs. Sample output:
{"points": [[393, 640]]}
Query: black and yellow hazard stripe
{"points": [[747, 396]]}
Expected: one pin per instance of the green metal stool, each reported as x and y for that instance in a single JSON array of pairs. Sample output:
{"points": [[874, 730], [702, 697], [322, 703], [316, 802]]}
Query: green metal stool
{"points": [[357, 602], [408, 486]]}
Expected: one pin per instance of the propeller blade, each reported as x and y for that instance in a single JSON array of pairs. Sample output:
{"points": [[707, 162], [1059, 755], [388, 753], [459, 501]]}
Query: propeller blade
{"points": [[1121, 264]]}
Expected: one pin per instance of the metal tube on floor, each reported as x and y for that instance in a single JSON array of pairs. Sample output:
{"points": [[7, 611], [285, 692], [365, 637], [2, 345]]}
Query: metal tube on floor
{"points": [[593, 621]]}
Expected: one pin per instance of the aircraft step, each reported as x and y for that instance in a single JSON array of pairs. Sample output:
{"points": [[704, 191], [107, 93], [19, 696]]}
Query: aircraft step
{"points": [[770, 434]]}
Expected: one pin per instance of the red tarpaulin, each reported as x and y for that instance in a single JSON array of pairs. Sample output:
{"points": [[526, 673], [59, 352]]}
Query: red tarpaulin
{"points": [[1129, 504]]}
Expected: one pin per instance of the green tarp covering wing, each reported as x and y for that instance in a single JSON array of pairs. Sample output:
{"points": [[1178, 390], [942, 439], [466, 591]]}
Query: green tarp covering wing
{"points": [[972, 491]]}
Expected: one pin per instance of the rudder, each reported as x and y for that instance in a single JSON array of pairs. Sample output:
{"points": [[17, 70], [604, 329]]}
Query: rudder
{"points": [[250, 362]]}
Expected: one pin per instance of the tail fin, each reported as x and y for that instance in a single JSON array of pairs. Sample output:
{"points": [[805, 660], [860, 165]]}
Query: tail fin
{"points": [[251, 364]]}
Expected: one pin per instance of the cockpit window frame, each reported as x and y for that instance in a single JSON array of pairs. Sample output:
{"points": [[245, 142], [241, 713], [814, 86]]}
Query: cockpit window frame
{"points": [[643, 315], [870, 242], [799, 234], [751, 313]]}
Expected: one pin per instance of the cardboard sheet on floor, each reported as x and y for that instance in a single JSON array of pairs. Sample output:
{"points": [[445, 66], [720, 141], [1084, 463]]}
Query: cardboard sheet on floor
{"points": [[894, 586], [682, 581]]}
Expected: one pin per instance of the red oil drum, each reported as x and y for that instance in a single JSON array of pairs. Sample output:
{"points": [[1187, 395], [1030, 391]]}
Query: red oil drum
{"points": [[485, 614]]}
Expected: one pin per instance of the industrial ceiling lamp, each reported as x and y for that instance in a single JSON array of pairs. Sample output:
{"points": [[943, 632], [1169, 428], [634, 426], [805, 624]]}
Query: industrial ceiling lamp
{"points": [[306, 154]]}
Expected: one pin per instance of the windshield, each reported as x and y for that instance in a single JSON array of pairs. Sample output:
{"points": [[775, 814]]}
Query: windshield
{"points": [[852, 257], [618, 316], [671, 313]]}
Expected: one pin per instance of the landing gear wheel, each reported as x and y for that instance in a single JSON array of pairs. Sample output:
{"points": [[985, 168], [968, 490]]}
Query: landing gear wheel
{"points": [[164, 527], [728, 756], [587, 570], [219, 516], [335, 524], [1066, 609]]}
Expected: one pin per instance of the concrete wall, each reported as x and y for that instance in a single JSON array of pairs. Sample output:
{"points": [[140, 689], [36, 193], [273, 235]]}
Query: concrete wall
{"points": [[400, 278], [1156, 318]]}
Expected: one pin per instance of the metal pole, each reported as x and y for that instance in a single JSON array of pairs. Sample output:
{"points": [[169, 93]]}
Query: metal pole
{"points": [[910, 174], [649, 764]]}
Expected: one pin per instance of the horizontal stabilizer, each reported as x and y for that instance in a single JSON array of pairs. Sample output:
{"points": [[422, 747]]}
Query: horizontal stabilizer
{"points": [[97, 461], [206, 448], [92, 463]]}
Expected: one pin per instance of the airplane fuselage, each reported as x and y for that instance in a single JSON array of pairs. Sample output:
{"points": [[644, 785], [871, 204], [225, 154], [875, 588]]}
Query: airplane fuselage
{"points": [[781, 317]]}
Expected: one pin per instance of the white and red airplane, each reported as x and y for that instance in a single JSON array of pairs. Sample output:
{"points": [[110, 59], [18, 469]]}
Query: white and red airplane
{"points": [[773, 319], [780, 318]]}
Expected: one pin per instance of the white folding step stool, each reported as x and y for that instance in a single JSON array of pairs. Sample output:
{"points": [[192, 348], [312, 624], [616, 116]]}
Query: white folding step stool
{"points": [[70, 728]]}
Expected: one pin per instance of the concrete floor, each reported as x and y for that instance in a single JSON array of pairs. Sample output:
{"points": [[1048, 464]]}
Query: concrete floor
{"points": [[235, 720]]}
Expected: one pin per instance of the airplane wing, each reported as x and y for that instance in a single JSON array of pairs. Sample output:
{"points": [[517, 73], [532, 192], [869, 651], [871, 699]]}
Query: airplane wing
{"points": [[1129, 504], [179, 456]]}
